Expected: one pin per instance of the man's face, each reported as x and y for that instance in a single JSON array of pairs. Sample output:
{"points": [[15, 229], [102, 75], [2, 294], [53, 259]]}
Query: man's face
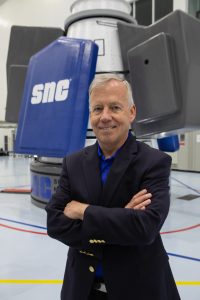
{"points": [[110, 114]]}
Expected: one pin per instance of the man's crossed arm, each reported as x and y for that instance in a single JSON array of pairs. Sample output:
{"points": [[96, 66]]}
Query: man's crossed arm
{"points": [[75, 209]]}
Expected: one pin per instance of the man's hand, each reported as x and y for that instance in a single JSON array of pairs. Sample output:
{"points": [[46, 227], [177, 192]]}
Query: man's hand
{"points": [[140, 200], [75, 210]]}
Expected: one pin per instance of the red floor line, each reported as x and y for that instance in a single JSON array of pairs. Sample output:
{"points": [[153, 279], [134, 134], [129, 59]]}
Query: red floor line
{"points": [[180, 230], [44, 233], [23, 230], [16, 191]]}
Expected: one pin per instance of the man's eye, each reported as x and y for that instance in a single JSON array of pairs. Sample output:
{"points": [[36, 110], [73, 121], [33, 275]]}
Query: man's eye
{"points": [[97, 109], [116, 108]]}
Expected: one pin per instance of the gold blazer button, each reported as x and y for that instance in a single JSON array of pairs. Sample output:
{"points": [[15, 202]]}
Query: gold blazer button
{"points": [[91, 269]]}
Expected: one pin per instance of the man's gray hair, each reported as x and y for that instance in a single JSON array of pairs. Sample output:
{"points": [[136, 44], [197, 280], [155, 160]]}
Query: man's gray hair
{"points": [[101, 79]]}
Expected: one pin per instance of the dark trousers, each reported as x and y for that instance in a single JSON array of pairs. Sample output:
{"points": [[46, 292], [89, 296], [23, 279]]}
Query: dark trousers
{"points": [[97, 295]]}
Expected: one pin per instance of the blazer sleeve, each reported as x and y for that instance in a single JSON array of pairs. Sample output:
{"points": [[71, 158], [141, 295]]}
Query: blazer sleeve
{"points": [[59, 226], [122, 226]]}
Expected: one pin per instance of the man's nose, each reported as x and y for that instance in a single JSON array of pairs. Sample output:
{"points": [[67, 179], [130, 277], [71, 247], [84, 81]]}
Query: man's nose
{"points": [[106, 114]]}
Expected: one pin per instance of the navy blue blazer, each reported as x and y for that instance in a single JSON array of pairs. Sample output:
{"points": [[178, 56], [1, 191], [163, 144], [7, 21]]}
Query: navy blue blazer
{"points": [[127, 241]]}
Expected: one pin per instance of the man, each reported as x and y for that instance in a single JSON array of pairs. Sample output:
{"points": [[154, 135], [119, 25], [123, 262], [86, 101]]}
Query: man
{"points": [[115, 249]]}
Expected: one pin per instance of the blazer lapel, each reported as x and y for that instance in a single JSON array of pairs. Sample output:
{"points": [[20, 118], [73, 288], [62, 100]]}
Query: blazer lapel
{"points": [[118, 169], [92, 174]]}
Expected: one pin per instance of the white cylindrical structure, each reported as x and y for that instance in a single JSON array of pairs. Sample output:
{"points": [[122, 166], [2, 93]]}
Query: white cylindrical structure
{"points": [[104, 34], [81, 5], [97, 20]]}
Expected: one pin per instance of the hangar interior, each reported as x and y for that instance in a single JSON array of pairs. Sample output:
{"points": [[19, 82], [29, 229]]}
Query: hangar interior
{"points": [[29, 266]]}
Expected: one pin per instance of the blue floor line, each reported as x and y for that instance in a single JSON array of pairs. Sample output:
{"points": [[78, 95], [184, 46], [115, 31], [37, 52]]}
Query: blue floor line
{"points": [[184, 257], [22, 223]]}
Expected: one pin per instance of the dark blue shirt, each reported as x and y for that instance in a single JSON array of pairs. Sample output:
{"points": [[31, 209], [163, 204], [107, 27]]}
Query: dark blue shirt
{"points": [[105, 165]]}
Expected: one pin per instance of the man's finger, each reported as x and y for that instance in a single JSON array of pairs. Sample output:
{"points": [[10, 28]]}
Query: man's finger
{"points": [[143, 204], [138, 205], [140, 193], [140, 199]]}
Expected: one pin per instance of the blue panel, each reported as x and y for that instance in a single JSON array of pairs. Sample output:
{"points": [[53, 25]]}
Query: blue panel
{"points": [[41, 187], [169, 144], [54, 113]]}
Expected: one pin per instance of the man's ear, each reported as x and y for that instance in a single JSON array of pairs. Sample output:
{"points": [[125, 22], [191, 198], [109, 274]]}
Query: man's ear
{"points": [[133, 113]]}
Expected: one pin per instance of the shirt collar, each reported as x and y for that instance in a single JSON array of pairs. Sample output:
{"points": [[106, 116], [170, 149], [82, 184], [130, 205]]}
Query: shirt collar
{"points": [[102, 157], [100, 153]]}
